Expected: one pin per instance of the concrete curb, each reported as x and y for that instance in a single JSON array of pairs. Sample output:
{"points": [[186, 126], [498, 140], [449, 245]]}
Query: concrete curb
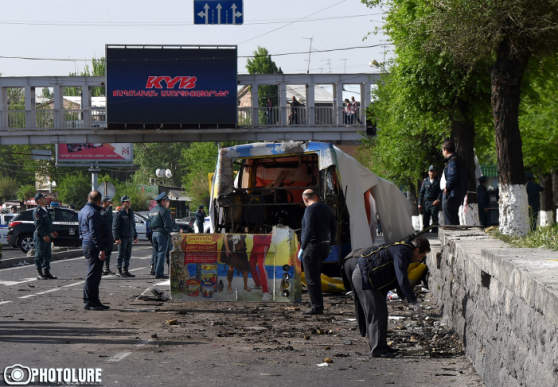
{"points": [[7, 263]]}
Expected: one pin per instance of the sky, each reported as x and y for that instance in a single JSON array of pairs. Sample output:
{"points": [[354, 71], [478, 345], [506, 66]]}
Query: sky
{"points": [[79, 30]]}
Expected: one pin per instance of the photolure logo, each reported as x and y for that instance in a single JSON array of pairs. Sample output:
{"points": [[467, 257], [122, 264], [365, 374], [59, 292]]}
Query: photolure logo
{"points": [[18, 375], [183, 82]]}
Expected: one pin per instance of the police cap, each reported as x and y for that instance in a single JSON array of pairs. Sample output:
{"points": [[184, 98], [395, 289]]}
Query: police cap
{"points": [[38, 196], [124, 198], [482, 179], [106, 199], [432, 168], [161, 196], [529, 175], [201, 206]]}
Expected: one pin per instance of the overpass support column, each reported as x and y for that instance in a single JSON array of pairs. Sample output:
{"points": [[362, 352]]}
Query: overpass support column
{"points": [[30, 112], [338, 106], [310, 104], [86, 106], [255, 105], [283, 103], [58, 92], [3, 108]]}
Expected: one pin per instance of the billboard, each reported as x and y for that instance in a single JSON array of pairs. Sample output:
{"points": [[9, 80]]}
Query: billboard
{"points": [[95, 152], [170, 86], [236, 267]]}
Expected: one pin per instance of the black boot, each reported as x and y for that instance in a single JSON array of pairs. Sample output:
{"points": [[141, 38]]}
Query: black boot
{"points": [[41, 276], [120, 274], [48, 275], [152, 272], [107, 269], [127, 273]]}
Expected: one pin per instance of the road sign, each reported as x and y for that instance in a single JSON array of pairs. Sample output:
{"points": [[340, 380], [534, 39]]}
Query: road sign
{"points": [[230, 12]]}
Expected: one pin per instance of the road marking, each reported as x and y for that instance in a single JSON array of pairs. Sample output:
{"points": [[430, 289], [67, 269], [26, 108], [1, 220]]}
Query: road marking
{"points": [[10, 283], [118, 357], [164, 283], [74, 284], [4, 302], [38, 294], [142, 343]]}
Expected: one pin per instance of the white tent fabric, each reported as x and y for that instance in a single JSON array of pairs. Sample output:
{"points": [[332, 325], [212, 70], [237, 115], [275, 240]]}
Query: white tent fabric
{"points": [[393, 208]]}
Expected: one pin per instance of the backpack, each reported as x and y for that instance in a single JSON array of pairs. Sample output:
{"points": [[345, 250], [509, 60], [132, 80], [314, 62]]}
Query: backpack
{"points": [[378, 269]]}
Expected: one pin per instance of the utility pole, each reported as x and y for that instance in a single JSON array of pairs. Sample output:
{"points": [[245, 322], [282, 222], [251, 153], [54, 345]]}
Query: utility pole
{"points": [[344, 66], [309, 53]]}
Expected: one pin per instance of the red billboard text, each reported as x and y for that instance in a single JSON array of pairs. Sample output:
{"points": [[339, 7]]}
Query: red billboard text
{"points": [[184, 82]]}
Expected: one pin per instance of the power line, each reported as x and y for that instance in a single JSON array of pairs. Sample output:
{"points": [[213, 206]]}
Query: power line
{"points": [[194, 59], [286, 25], [166, 24]]}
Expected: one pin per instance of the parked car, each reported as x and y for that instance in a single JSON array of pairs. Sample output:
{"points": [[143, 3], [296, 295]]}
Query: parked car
{"points": [[4, 221], [185, 224], [65, 223], [142, 227]]}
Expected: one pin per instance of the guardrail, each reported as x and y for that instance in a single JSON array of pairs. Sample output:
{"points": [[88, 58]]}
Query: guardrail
{"points": [[298, 116]]}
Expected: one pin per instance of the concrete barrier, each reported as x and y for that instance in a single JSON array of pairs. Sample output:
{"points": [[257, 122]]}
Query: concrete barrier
{"points": [[503, 302]]}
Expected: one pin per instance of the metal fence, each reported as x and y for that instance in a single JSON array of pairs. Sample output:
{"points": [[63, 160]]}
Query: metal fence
{"points": [[16, 119]]}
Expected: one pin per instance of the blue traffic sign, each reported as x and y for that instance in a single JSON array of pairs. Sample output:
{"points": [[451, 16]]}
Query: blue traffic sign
{"points": [[219, 12]]}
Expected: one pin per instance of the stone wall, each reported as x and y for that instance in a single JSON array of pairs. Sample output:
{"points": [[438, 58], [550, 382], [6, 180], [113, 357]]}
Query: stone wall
{"points": [[503, 302]]}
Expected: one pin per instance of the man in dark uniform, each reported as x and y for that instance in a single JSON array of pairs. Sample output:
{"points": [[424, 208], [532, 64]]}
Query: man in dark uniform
{"points": [[43, 237], [14, 209], [106, 213], [94, 234], [483, 200], [371, 307], [456, 175], [200, 218], [161, 225], [533, 191], [319, 229], [123, 231], [430, 198]]}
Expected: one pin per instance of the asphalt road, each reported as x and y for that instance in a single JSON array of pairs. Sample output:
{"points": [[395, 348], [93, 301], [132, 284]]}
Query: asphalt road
{"points": [[43, 325]]}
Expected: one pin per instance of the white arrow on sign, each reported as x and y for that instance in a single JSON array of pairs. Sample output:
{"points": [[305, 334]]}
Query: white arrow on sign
{"points": [[205, 14], [235, 14], [219, 7]]}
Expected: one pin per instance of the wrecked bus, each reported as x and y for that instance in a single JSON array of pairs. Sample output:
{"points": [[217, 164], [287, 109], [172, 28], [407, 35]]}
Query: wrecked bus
{"points": [[256, 211]]}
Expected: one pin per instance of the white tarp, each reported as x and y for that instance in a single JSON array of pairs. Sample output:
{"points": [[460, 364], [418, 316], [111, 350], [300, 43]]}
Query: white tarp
{"points": [[392, 206]]}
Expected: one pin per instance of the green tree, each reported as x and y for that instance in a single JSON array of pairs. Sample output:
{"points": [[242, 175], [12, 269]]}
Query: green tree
{"points": [[98, 69], [8, 187], [263, 64], [422, 99], [150, 156], [507, 34], [26, 192], [74, 188]]}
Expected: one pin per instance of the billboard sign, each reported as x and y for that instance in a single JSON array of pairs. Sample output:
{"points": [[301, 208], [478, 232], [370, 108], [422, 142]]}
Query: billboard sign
{"points": [[95, 152], [178, 85]]}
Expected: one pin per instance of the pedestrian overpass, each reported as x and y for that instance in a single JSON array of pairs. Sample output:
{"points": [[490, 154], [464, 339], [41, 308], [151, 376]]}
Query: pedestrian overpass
{"points": [[56, 123]]}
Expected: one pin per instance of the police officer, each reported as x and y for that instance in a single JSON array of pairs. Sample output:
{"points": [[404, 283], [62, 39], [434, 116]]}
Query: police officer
{"points": [[123, 231], [430, 198], [94, 233], [106, 213], [482, 199], [161, 225], [43, 237], [14, 209], [455, 188], [200, 218]]}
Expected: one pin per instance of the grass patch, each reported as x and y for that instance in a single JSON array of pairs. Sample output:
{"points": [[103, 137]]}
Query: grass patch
{"points": [[541, 238]]}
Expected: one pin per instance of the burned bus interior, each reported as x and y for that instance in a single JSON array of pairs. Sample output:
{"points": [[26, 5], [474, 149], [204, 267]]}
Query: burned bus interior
{"points": [[268, 192]]}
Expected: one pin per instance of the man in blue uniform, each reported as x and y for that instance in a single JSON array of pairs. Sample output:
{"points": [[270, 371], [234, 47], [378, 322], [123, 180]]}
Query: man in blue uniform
{"points": [[106, 213], [43, 237], [371, 307], [455, 189], [124, 231], [483, 200], [94, 234], [533, 191], [200, 218], [319, 230], [430, 198], [161, 225]]}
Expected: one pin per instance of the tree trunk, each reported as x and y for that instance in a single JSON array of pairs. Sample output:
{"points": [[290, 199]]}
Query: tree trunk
{"points": [[463, 135], [506, 74], [413, 196], [546, 215], [555, 191]]}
